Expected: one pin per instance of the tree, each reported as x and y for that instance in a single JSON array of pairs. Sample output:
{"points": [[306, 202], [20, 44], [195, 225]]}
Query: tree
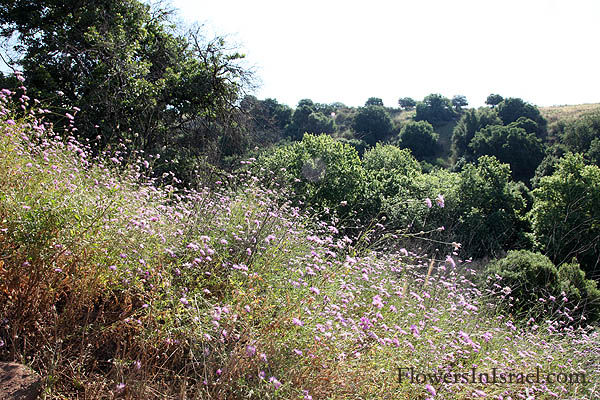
{"points": [[512, 145], [566, 214], [419, 138], [593, 153], [471, 122], [266, 120], [511, 109], [407, 103], [435, 109], [459, 101], [389, 170], [322, 171], [372, 124], [374, 101], [309, 117], [579, 134], [132, 75], [492, 209], [493, 100]]}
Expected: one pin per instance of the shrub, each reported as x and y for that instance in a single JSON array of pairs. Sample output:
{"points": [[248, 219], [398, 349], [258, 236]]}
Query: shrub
{"points": [[372, 124], [419, 138], [531, 283], [471, 122], [492, 209], [512, 145], [529, 276], [580, 293], [566, 213], [511, 109], [435, 109], [389, 171], [322, 171]]}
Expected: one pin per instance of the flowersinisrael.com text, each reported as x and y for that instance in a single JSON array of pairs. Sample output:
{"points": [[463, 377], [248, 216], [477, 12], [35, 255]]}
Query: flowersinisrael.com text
{"points": [[493, 376]]}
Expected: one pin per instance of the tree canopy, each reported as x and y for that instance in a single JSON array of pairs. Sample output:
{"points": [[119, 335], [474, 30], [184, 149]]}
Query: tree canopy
{"points": [[127, 68]]}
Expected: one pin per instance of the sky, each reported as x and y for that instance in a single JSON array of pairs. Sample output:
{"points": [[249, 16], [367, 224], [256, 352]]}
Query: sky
{"points": [[544, 51]]}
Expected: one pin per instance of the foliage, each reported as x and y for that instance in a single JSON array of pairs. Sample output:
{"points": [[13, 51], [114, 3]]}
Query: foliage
{"points": [[579, 134], [114, 287], [471, 122], [459, 101], [322, 171], [374, 101], [593, 153], [372, 124], [529, 277], [308, 117], [566, 214], [582, 294], [533, 285], [359, 145], [511, 109], [435, 109], [492, 209], [419, 138], [132, 75], [493, 100], [266, 120], [512, 145], [407, 103], [389, 170]]}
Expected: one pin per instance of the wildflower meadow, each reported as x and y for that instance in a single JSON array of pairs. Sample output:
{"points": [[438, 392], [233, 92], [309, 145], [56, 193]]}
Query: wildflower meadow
{"points": [[116, 282]]}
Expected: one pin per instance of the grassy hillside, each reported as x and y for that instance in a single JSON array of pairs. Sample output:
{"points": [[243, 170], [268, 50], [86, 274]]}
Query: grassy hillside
{"points": [[559, 116], [568, 112], [112, 286]]}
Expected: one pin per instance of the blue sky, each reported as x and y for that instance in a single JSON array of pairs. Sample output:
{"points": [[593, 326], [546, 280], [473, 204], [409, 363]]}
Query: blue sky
{"points": [[544, 51]]}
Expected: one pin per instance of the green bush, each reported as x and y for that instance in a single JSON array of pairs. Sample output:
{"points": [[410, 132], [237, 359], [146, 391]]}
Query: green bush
{"points": [[529, 276], [372, 124], [322, 171], [512, 145], [471, 122], [511, 109], [582, 294], [533, 284], [390, 172], [566, 213], [419, 138], [435, 109], [492, 209]]}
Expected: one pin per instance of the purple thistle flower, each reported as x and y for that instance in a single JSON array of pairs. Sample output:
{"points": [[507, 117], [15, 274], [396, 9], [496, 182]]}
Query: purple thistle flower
{"points": [[440, 201]]}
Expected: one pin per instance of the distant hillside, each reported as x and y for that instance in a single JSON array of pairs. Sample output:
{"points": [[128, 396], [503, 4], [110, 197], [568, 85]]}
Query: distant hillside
{"points": [[557, 116]]}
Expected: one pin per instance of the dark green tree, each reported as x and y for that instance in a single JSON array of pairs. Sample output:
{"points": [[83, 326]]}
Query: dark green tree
{"points": [[521, 150], [493, 100], [310, 117], [419, 138], [579, 134], [125, 66], [471, 122], [374, 101], [566, 214], [372, 124], [511, 109], [407, 103], [435, 109], [459, 101], [593, 153], [492, 209], [265, 120]]}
